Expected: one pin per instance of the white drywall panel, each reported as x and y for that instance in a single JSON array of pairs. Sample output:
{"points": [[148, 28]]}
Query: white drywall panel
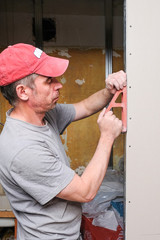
{"points": [[142, 217]]}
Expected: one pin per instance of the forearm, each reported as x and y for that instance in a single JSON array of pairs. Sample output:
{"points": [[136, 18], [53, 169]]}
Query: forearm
{"points": [[84, 188], [96, 169], [98, 100], [92, 104]]}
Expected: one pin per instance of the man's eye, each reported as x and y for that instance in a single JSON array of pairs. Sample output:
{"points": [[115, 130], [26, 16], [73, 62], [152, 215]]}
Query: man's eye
{"points": [[49, 80]]}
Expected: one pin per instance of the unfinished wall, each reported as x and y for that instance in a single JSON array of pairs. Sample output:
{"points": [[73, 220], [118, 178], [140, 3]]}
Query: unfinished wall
{"points": [[78, 23], [84, 77]]}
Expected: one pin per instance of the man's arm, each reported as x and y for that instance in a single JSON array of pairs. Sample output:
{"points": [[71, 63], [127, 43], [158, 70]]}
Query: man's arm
{"points": [[84, 188], [100, 99]]}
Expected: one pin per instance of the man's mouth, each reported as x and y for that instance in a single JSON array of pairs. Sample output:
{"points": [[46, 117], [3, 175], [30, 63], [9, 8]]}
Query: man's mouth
{"points": [[56, 99]]}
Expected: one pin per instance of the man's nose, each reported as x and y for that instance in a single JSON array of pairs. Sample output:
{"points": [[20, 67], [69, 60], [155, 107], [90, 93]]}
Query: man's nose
{"points": [[57, 86]]}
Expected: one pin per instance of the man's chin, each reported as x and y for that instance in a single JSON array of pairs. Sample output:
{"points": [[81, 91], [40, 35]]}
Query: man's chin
{"points": [[53, 105]]}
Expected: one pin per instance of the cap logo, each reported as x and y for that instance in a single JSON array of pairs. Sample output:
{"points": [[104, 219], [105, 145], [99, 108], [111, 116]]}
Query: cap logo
{"points": [[38, 52]]}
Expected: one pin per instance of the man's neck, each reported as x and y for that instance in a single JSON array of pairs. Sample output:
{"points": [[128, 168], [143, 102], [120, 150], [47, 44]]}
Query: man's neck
{"points": [[26, 114]]}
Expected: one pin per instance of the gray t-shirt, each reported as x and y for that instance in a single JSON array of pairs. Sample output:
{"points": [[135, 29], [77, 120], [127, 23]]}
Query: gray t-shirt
{"points": [[34, 168]]}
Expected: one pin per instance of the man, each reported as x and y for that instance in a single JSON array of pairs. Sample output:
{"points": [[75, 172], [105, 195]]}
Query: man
{"points": [[44, 192]]}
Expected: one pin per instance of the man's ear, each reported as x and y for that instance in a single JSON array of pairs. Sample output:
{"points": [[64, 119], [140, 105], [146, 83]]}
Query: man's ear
{"points": [[22, 92]]}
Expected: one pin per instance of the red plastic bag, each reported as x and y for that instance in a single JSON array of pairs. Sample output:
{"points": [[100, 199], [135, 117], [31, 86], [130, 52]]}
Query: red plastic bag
{"points": [[91, 232]]}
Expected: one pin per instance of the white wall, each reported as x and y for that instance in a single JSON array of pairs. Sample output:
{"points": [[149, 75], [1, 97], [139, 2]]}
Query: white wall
{"points": [[142, 145]]}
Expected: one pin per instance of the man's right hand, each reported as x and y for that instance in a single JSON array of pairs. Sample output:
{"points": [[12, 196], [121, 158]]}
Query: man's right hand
{"points": [[110, 126]]}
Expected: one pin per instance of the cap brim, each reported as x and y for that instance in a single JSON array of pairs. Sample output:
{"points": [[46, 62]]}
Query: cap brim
{"points": [[52, 66]]}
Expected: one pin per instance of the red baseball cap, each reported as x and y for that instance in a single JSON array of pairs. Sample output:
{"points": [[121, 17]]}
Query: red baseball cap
{"points": [[20, 60]]}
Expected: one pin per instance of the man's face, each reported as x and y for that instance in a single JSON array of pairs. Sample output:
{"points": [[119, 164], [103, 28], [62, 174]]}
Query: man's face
{"points": [[45, 94]]}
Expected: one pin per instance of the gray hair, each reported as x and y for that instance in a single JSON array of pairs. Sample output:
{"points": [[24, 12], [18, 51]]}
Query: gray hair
{"points": [[9, 91]]}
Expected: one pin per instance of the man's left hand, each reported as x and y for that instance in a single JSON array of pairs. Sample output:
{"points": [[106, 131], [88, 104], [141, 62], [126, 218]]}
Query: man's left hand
{"points": [[116, 81]]}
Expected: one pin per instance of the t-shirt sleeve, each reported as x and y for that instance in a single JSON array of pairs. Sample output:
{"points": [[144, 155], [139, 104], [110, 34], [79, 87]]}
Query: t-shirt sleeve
{"points": [[63, 114], [40, 174]]}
